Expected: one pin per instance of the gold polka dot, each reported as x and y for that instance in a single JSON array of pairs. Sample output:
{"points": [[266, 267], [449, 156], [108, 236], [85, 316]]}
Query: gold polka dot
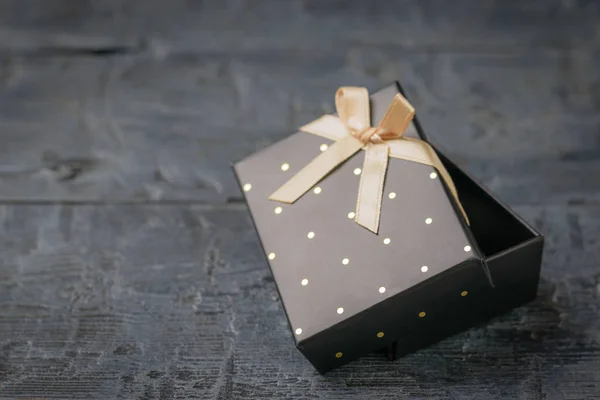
{"points": [[392, 195], [422, 314], [428, 221], [386, 241], [317, 190], [278, 210], [304, 282], [351, 215], [467, 248], [340, 310], [382, 290], [424, 268], [380, 334], [271, 256], [247, 187], [345, 261], [298, 331], [310, 235], [339, 354], [357, 171], [323, 147], [285, 166], [464, 293], [433, 175]]}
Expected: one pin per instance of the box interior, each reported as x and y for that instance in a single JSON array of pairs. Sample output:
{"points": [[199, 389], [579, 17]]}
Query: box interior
{"points": [[495, 227]]}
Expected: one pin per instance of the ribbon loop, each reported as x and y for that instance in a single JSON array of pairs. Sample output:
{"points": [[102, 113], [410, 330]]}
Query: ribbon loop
{"points": [[352, 106], [352, 131]]}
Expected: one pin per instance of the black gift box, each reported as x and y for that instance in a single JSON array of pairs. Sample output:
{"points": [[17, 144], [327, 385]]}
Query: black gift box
{"points": [[513, 255], [347, 291], [512, 251]]}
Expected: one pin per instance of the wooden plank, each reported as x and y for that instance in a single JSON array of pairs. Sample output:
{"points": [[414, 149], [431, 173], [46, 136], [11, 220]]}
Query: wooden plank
{"points": [[140, 128], [238, 26], [539, 181], [153, 302], [144, 101]]}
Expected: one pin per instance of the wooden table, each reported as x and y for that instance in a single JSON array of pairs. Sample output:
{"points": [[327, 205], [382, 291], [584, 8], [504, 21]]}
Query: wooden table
{"points": [[128, 265]]}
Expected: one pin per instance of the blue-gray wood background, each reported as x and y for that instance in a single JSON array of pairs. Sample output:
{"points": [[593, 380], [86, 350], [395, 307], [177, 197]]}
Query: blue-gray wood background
{"points": [[129, 268]]}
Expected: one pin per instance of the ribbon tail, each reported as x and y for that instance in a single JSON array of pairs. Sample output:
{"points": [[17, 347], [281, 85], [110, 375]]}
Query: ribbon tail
{"points": [[419, 151], [316, 170], [450, 184], [437, 164], [370, 190]]}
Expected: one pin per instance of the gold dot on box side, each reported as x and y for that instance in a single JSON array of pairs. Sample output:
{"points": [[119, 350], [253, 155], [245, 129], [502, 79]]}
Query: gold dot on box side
{"points": [[278, 210], [392, 195], [422, 314], [382, 290], [433, 175], [298, 331], [357, 171], [424, 268], [304, 282], [351, 215], [317, 190], [467, 248], [285, 166], [345, 261], [340, 310], [428, 221], [323, 147], [271, 256], [310, 235], [464, 293], [380, 334], [386, 241], [247, 187], [339, 354]]}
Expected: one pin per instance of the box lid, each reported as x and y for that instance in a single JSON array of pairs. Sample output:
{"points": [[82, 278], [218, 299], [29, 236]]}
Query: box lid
{"points": [[326, 267]]}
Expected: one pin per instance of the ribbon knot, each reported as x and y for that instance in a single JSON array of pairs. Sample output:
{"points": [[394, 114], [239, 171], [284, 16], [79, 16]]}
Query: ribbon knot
{"points": [[371, 135], [352, 131]]}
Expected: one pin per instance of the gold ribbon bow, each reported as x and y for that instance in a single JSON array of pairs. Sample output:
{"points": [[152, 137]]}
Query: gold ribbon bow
{"points": [[352, 131]]}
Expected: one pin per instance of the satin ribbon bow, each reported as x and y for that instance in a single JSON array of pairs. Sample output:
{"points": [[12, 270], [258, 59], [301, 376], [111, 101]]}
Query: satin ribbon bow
{"points": [[352, 131]]}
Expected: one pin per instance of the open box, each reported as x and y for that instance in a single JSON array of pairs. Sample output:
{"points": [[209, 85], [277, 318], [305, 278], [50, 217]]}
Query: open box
{"points": [[426, 274], [512, 250]]}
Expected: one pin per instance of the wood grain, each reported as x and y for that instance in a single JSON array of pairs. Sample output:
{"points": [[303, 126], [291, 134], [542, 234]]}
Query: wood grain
{"points": [[136, 128], [177, 302], [257, 26], [128, 265]]}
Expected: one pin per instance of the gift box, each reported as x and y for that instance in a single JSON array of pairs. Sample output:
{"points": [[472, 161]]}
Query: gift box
{"points": [[512, 252], [368, 237]]}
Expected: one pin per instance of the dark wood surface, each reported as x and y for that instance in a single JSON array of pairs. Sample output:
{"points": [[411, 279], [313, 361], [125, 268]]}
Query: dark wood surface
{"points": [[128, 264]]}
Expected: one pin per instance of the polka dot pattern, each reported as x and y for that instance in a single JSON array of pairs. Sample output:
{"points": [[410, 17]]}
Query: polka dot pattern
{"points": [[324, 257]]}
